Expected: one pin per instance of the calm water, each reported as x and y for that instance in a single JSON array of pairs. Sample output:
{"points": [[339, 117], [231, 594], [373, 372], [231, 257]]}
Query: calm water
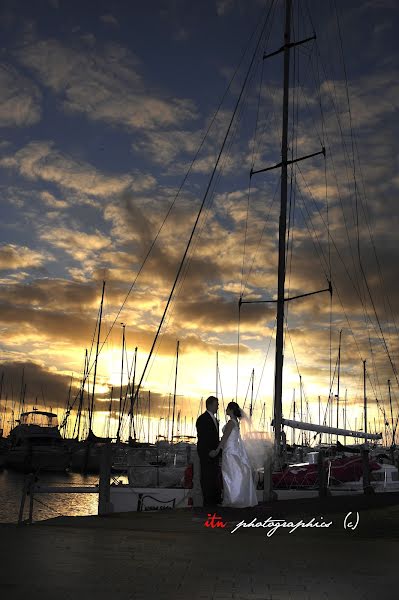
{"points": [[47, 506]]}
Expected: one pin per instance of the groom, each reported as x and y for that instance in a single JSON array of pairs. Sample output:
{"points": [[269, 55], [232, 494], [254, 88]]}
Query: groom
{"points": [[208, 439]]}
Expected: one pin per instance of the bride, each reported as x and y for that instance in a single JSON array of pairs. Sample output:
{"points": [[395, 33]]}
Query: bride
{"points": [[238, 486]]}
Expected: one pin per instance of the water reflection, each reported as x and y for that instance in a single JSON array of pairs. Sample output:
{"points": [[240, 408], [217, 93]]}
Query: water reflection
{"points": [[48, 506]]}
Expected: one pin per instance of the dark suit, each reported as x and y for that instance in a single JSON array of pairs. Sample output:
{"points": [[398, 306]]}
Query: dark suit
{"points": [[208, 439]]}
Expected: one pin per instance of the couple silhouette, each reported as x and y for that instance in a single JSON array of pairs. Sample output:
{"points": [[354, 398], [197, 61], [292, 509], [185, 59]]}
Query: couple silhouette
{"points": [[233, 484]]}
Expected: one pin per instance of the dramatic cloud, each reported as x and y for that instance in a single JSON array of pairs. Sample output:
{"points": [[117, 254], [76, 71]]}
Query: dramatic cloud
{"points": [[44, 388], [78, 244], [21, 257], [109, 19], [20, 99], [40, 160], [103, 84]]}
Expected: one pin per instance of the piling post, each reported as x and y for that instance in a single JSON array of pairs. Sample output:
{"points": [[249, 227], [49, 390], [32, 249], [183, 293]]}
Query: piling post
{"points": [[323, 491], [27, 490], [104, 499], [367, 487], [22, 505], [268, 493], [196, 491], [31, 491]]}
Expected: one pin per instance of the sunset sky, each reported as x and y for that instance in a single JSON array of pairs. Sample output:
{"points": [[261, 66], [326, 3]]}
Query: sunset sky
{"points": [[104, 106]]}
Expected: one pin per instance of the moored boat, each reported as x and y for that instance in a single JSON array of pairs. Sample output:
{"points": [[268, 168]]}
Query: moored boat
{"points": [[36, 444]]}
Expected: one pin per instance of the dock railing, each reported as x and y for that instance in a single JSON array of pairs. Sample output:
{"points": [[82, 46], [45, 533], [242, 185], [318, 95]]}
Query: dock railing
{"points": [[31, 488]]}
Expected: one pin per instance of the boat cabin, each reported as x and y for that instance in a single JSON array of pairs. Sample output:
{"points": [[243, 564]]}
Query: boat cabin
{"points": [[40, 418]]}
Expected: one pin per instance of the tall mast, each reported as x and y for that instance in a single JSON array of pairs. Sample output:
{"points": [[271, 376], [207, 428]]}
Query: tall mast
{"points": [[95, 364], [339, 371], [108, 430], [132, 395], [278, 378], [120, 395], [149, 415], [174, 393], [294, 413], [217, 374], [252, 392], [301, 399], [390, 404], [364, 396]]}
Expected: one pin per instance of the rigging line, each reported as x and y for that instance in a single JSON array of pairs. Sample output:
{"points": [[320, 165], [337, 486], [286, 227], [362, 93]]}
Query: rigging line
{"points": [[272, 114], [246, 395], [250, 178], [218, 176], [335, 288], [202, 204], [382, 283], [238, 347], [221, 390], [264, 363], [356, 196], [331, 237], [292, 346], [353, 160], [181, 186], [294, 144], [309, 55], [188, 262], [201, 228], [385, 295], [333, 98], [208, 206], [320, 253], [365, 210], [339, 255], [262, 233], [377, 381]]}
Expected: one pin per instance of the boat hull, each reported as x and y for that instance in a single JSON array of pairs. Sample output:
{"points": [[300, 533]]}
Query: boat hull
{"points": [[126, 498], [37, 459]]}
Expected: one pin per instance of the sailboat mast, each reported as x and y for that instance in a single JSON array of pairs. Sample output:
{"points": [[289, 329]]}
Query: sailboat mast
{"points": [[132, 395], [174, 393], [278, 378], [149, 415], [252, 392], [339, 372], [390, 404], [217, 374], [120, 395], [364, 396], [96, 361]]}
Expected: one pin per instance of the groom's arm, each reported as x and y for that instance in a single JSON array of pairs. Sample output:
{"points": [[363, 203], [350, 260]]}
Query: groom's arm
{"points": [[227, 430]]}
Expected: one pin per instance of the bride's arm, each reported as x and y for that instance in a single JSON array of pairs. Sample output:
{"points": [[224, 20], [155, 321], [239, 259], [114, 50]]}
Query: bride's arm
{"points": [[227, 430]]}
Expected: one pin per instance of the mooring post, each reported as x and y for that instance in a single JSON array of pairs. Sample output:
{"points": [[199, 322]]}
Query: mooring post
{"points": [[268, 493], [31, 491], [323, 491], [367, 487], [26, 490], [196, 490], [22, 505], [104, 499]]}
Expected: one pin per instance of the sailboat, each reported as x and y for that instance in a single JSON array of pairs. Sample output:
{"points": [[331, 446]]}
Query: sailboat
{"points": [[279, 421], [36, 444], [86, 454]]}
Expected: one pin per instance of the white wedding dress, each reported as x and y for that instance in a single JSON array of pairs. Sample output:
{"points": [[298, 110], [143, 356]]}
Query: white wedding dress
{"points": [[238, 486]]}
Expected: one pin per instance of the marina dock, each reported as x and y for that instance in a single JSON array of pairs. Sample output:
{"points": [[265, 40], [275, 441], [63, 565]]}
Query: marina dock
{"points": [[174, 555]]}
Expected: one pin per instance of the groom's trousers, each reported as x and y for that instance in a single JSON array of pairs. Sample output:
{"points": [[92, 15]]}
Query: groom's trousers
{"points": [[210, 480]]}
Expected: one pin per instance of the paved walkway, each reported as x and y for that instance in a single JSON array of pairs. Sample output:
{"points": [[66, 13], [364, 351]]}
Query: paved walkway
{"points": [[173, 555]]}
